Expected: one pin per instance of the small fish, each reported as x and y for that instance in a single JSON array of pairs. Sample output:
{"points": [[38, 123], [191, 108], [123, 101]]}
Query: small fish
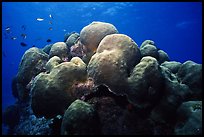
{"points": [[8, 29], [39, 19], [23, 27], [64, 30], [50, 22], [23, 44], [13, 38], [49, 40], [50, 16], [50, 28], [24, 36], [33, 46]]}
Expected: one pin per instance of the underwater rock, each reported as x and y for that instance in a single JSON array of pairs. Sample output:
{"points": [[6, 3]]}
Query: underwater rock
{"points": [[190, 73], [51, 93], [163, 56], [173, 94], [47, 48], [149, 50], [66, 35], [116, 55], [147, 42], [54, 61], [59, 49], [172, 65], [11, 116], [189, 118], [145, 83], [32, 63], [80, 119], [92, 34], [72, 39]]}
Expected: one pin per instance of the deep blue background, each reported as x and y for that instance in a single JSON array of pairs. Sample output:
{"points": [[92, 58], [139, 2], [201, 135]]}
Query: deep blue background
{"points": [[176, 28]]}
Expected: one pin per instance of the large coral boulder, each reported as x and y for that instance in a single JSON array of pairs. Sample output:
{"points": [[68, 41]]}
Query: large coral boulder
{"points": [[72, 39], [115, 57], [163, 56], [32, 63], [92, 34], [80, 119], [52, 92], [173, 66], [189, 116], [147, 42], [59, 49], [173, 94], [145, 83], [190, 73], [54, 61], [149, 50]]}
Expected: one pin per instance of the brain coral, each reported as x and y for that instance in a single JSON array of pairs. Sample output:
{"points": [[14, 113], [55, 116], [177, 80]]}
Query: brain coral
{"points": [[51, 93], [92, 34], [116, 55]]}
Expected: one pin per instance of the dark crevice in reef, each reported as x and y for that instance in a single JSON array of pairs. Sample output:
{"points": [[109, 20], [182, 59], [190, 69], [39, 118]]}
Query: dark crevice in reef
{"points": [[103, 91], [56, 125]]}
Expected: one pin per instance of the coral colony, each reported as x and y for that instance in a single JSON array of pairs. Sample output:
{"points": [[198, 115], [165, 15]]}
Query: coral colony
{"points": [[102, 82]]}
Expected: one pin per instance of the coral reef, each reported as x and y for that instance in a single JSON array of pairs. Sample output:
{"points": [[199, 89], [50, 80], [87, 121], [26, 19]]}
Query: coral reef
{"points": [[99, 82], [92, 34], [80, 119], [145, 83], [148, 48], [190, 74], [32, 63], [72, 39], [59, 49], [116, 55], [189, 118], [172, 65], [51, 93]]}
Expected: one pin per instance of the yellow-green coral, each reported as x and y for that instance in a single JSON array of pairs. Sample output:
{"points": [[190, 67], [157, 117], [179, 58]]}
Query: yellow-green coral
{"points": [[51, 93], [116, 55]]}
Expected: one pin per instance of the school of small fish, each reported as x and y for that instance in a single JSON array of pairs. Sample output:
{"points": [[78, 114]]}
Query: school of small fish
{"points": [[8, 32]]}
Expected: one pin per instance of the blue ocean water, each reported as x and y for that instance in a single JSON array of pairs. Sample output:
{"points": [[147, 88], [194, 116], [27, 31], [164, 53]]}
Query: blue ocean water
{"points": [[176, 28]]}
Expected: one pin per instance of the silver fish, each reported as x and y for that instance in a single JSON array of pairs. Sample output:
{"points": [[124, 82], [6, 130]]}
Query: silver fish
{"points": [[13, 38], [8, 28], [39, 19], [50, 16]]}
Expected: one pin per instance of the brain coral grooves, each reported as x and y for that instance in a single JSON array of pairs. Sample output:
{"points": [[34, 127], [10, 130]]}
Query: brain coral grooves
{"points": [[116, 55], [51, 93]]}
